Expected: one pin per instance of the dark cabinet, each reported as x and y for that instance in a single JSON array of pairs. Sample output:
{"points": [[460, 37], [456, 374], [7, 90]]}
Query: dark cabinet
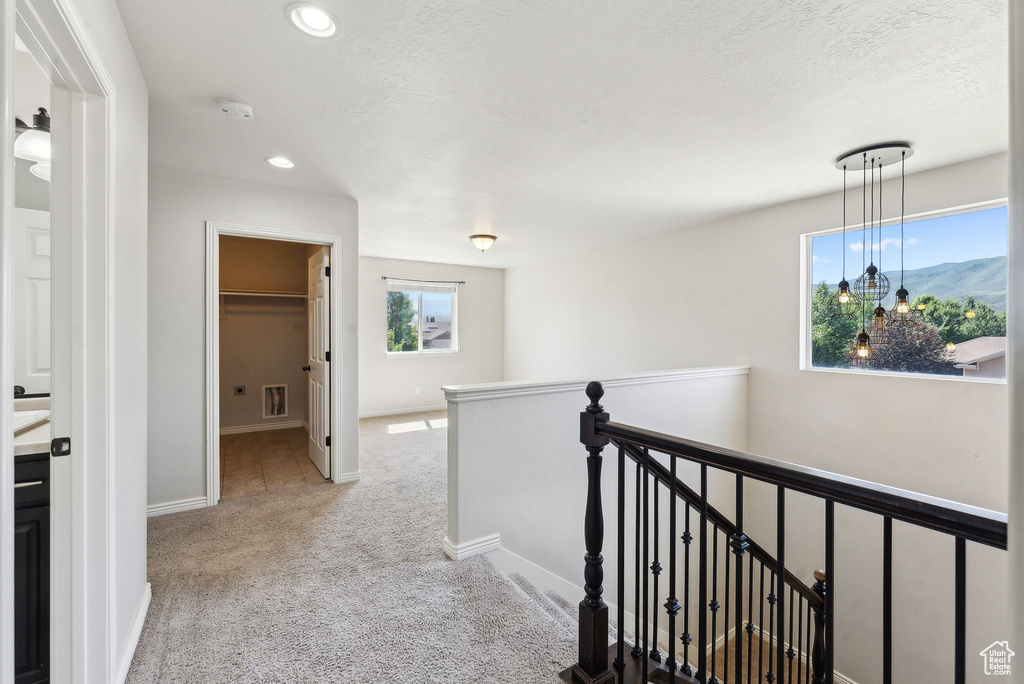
{"points": [[31, 571]]}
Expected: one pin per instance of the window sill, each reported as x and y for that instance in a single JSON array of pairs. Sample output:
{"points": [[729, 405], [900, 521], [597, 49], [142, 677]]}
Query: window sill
{"points": [[422, 354], [914, 376]]}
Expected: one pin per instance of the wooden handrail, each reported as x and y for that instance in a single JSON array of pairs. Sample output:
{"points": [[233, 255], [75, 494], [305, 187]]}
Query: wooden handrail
{"points": [[716, 518], [960, 520]]}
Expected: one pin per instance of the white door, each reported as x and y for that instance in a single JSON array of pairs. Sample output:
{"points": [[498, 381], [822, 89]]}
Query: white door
{"points": [[32, 300], [318, 315]]}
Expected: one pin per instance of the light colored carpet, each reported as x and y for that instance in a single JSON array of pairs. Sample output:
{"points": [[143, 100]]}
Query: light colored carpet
{"points": [[340, 584]]}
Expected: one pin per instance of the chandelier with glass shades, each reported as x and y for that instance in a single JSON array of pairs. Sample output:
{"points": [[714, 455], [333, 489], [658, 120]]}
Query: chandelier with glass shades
{"points": [[865, 299]]}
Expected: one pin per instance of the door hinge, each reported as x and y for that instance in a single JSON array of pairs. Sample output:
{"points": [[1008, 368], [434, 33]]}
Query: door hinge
{"points": [[327, 357], [61, 446], [327, 271], [328, 442]]}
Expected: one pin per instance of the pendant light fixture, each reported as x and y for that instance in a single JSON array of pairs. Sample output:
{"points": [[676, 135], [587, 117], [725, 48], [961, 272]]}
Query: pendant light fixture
{"points": [[872, 286], [902, 313], [842, 303]]}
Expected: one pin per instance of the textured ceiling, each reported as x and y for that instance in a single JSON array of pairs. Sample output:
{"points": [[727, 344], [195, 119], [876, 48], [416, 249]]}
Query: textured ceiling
{"points": [[560, 126]]}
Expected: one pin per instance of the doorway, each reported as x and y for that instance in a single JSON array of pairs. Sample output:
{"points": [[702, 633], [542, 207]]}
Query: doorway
{"points": [[272, 391]]}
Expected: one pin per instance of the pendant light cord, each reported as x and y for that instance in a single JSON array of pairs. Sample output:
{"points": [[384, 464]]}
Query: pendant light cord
{"points": [[880, 228], [844, 221], [903, 202], [864, 235]]}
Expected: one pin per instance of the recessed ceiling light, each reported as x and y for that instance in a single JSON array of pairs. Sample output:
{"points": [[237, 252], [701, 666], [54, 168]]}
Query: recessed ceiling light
{"points": [[280, 162], [316, 21]]}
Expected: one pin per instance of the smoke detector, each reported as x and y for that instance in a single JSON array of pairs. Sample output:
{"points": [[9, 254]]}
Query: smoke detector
{"points": [[236, 109]]}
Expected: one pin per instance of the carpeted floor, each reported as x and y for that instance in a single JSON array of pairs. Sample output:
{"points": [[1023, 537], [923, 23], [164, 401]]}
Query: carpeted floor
{"points": [[340, 584]]}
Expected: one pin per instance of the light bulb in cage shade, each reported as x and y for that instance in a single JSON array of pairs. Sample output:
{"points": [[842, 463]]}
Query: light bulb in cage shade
{"points": [[844, 292], [902, 305], [879, 318], [863, 347]]}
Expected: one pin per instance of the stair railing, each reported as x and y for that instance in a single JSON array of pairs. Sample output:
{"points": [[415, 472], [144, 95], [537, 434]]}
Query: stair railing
{"points": [[804, 651]]}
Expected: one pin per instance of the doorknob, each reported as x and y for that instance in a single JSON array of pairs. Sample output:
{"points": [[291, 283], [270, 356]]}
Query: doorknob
{"points": [[305, 368]]}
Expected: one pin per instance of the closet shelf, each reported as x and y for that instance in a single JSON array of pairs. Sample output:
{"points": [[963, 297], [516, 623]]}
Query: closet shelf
{"points": [[260, 293]]}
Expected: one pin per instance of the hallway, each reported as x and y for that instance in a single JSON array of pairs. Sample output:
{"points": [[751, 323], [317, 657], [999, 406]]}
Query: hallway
{"points": [[340, 583]]}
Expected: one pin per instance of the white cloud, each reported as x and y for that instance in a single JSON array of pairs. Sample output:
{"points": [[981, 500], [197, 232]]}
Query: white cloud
{"points": [[885, 244], [819, 259]]}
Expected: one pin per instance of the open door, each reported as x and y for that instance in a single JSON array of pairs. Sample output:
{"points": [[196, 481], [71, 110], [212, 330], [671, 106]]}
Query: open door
{"points": [[318, 317]]}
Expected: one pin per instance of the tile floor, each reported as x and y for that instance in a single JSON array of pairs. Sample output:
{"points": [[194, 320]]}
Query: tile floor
{"points": [[255, 462]]}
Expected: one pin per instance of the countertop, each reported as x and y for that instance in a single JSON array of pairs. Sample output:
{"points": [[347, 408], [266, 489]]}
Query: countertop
{"points": [[35, 440]]}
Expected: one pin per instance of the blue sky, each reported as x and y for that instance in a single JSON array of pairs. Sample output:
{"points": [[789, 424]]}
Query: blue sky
{"points": [[961, 237]]}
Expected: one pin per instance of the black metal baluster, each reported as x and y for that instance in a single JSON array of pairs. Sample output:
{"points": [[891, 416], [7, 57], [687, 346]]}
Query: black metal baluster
{"points": [[671, 604], [770, 678], [960, 654], [750, 622], [780, 525], [887, 602], [725, 624], [656, 571], [637, 648], [739, 547], [790, 652], [702, 627], [714, 608], [686, 638], [647, 516], [760, 627], [620, 660], [800, 640], [830, 594]]}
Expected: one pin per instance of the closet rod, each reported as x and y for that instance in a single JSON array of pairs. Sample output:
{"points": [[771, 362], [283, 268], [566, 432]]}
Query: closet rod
{"points": [[254, 293], [414, 280]]}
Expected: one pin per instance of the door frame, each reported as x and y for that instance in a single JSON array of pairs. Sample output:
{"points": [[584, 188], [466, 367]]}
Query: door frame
{"points": [[83, 566], [214, 231]]}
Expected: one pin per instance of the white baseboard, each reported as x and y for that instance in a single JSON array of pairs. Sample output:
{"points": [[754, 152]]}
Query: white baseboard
{"points": [[135, 633], [176, 506], [471, 548], [348, 477], [239, 429], [398, 412]]}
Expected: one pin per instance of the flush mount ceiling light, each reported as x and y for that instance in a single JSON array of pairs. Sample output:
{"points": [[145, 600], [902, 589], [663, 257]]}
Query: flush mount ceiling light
{"points": [[280, 162], [33, 144], [41, 170], [316, 21], [482, 242]]}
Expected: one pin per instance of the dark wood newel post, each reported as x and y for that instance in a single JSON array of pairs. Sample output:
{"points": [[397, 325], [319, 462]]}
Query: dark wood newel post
{"points": [[818, 649], [592, 667]]}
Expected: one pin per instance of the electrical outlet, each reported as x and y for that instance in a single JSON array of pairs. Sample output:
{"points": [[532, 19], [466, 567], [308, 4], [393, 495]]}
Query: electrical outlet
{"points": [[239, 390], [417, 390]]}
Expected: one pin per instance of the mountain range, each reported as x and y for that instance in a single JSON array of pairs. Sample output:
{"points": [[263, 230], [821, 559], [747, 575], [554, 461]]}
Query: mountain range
{"points": [[985, 279]]}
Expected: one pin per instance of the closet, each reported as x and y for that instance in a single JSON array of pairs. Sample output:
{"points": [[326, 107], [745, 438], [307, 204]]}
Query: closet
{"points": [[267, 323]]}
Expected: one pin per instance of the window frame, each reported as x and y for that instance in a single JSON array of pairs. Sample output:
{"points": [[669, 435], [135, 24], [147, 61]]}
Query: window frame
{"points": [[411, 286], [807, 289]]}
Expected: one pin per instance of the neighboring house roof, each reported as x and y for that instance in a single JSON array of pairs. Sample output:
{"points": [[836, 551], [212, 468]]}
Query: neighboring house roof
{"points": [[433, 331], [979, 349]]}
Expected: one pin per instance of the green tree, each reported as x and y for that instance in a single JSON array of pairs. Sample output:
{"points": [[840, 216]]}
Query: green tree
{"points": [[831, 338], [401, 334], [913, 348], [950, 318]]}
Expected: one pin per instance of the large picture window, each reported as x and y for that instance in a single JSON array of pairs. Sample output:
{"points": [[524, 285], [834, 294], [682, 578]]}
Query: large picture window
{"points": [[422, 317], [955, 271]]}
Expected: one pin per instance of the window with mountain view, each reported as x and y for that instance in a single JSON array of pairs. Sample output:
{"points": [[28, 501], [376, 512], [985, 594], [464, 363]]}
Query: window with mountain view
{"points": [[955, 272], [421, 317]]}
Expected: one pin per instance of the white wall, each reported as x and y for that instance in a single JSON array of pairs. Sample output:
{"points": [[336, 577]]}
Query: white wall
{"points": [[717, 294], [180, 204], [389, 384]]}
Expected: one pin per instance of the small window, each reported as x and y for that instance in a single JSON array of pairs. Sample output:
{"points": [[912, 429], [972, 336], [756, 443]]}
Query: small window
{"points": [[422, 318], [954, 267]]}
